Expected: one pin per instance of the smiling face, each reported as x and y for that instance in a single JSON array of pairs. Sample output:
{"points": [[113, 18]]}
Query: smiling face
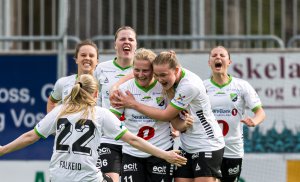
{"points": [[86, 59], [219, 60], [125, 44], [165, 75], [143, 72]]}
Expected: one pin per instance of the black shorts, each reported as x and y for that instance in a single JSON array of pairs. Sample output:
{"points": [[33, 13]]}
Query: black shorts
{"points": [[150, 169], [110, 158], [201, 164], [231, 169]]}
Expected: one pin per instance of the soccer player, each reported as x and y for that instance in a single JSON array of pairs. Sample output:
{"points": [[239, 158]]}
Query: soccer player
{"points": [[148, 91], [86, 58], [107, 73], [78, 125], [203, 143], [229, 96]]}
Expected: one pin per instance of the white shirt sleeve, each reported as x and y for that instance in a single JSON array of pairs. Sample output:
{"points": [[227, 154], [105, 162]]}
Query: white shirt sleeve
{"points": [[123, 87], [251, 97], [47, 125], [184, 95], [112, 126], [57, 90]]}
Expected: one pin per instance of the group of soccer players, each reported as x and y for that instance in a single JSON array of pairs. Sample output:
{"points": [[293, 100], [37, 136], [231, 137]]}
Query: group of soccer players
{"points": [[159, 94]]}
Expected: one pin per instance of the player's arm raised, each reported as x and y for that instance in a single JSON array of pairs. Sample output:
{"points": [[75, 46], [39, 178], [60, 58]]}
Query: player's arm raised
{"points": [[22, 141]]}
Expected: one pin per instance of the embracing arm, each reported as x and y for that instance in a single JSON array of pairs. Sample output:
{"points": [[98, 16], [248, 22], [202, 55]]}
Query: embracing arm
{"points": [[21, 142], [120, 81], [259, 116], [182, 125], [143, 145], [128, 101]]}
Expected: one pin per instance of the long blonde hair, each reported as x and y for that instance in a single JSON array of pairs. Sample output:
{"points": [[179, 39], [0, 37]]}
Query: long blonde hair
{"points": [[81, 97]]}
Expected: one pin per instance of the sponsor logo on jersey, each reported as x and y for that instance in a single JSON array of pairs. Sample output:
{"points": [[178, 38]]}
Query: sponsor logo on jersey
{"points": [[104, 150], [233, 171], [233, 97], [180, 97], [179, 100], [140, 117], [109, 71], [198, 168], [119, 75], [160, 101], [221, 111], [234, 112], [106, 80], [146, 98], [156, 93], [130, 167], [159, 170]]}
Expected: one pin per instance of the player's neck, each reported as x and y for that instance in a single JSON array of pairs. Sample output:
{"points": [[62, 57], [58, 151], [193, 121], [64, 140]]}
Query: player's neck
{"points": [[220, 79], [124, 62]]}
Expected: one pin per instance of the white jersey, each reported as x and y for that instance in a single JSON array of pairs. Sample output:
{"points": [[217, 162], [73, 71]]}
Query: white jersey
{"points": [[228, 104], [63, 87], [155, 132], [205, 133], [108, 73], [75, 152]]}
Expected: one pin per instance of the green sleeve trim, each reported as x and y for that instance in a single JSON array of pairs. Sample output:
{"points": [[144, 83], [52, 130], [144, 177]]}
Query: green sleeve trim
{"points": [[256, 108], [115, 112], [40, 135], [53, 100], [121, 134], [176, 107]]}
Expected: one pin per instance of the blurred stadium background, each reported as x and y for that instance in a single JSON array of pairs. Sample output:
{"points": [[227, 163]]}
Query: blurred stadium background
{"points": [[38, 37]]}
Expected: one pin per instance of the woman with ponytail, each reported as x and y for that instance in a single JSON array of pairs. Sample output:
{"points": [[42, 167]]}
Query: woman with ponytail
{"points": [[78, 125]]}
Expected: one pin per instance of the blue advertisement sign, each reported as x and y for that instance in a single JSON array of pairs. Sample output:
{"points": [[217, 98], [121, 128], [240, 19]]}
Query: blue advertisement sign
{"points": [[25, 84]]}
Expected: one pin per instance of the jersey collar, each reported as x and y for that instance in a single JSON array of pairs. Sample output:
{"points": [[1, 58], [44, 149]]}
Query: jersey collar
{"points": [[221, 86], [117, 65]]}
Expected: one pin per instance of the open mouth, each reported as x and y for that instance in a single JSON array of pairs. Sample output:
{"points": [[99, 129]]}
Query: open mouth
{"points": [[164, 84], [126, 48], [87, 64], [218, 65]]}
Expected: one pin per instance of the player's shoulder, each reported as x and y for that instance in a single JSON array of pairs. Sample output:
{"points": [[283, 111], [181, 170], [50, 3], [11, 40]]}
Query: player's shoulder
{"points": [[101, 110], [189, 76], [207, 81], [106, 63], [65, 79], [103, 65], [239, 81], [129, 83]]}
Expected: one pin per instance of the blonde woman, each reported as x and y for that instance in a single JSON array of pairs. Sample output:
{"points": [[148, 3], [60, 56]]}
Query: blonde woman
{"points": [[78, 125], [202, 143]]}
